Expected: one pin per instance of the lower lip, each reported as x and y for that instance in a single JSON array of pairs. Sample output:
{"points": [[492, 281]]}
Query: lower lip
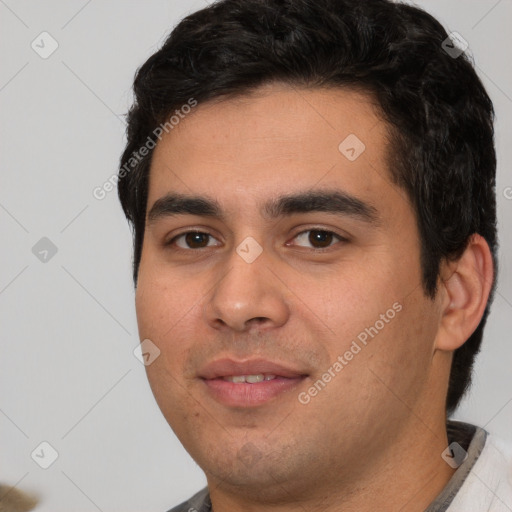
{"points": [[244, 394]]}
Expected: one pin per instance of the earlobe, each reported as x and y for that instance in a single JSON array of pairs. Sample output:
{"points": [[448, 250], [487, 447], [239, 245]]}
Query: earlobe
{"points": [[465, 287]]}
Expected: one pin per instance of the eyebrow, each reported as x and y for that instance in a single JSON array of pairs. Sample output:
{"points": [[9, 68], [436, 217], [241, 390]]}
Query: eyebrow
{"points": [[336, 202], [179, 204]]}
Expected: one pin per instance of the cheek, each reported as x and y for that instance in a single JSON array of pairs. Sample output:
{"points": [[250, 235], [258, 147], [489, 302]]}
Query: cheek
{"points": [[164, 317], [375, 307], [170, 307], [161, 299], [166, 313], [352, 298], [402, 353], [151, 304]]}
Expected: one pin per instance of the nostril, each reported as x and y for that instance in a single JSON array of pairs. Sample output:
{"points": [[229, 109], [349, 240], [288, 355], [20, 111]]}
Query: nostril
{"points": [[258, 320]]}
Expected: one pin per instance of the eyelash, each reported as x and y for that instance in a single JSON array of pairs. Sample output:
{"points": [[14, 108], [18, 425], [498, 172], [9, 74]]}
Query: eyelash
{"points": [[185, 233], [325, 231], [316, 249]]}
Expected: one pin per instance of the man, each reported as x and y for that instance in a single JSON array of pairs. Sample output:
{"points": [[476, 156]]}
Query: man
{"points": [[311, 186]]}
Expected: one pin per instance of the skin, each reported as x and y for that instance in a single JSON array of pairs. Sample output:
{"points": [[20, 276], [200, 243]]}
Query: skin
{"points": [[372, 438]]}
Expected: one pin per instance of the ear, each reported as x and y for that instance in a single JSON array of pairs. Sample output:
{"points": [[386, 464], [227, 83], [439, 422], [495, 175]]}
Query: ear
{"points": [[464, 290]]}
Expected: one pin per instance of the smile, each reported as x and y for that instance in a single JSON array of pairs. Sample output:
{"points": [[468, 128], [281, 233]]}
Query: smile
{"points": [[250, 379], [250, 383]]}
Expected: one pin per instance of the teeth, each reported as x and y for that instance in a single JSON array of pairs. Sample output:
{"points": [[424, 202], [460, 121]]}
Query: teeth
{"points": [[250, 379], [237, 379]]}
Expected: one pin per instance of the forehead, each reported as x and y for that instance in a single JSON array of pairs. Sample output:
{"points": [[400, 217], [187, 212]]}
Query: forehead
{"points": [[277, 139]]}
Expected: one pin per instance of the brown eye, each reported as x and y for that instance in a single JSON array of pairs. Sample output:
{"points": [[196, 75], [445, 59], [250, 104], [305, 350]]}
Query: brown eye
{"points": [[194, 240], [317, 238], [320, 238]]}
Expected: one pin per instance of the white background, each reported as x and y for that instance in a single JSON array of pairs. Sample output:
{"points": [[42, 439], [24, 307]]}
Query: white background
{"points": [[68, 375]]}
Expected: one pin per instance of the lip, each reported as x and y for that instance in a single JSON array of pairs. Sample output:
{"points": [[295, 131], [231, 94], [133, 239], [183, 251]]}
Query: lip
{"points": [[246, 394], [227, 367]]}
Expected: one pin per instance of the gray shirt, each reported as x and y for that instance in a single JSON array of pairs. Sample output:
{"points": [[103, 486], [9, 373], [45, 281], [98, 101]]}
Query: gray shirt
{"points": [[471, 438]]}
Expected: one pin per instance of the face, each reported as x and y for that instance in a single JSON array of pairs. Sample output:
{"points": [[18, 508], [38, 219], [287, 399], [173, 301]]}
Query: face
{"points": [[277, 248]]}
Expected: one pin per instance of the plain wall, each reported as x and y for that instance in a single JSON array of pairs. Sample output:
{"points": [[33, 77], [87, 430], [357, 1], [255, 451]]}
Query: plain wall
{"points": [[68, 373]]}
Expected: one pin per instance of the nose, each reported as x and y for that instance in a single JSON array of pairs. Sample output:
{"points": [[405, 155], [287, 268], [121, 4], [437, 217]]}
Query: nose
{"points": [[248, 296]]}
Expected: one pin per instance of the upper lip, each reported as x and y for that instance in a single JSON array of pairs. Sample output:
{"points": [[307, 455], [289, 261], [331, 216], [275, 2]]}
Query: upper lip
{"points": [[228, 367]]}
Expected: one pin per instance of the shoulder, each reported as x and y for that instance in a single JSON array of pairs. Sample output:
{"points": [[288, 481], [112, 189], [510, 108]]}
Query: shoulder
{"points": [[200, 502], [489, 483]]}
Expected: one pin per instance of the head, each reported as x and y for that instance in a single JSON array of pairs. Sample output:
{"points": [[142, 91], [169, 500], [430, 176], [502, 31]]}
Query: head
{"points": [[267, 97]]}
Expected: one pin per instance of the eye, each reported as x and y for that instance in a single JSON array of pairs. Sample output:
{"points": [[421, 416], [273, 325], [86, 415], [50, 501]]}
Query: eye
{"points": [[317, 238], [193, 240]]}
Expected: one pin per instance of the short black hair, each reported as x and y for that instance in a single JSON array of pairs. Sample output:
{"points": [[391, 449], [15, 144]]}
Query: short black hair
{"points": [[440, 118]]}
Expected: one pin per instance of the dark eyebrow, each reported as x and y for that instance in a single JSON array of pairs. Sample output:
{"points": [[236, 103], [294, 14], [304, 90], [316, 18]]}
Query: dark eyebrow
{"points": [[312, 201], [176, 204], [323, 201]]}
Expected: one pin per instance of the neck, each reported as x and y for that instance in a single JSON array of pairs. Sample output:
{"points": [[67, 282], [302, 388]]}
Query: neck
{"points": [[406, 475]]}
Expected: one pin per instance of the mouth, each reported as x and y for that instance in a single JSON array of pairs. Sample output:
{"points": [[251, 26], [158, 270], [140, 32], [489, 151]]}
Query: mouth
{"points": [[249, 379], [246, 384]]}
